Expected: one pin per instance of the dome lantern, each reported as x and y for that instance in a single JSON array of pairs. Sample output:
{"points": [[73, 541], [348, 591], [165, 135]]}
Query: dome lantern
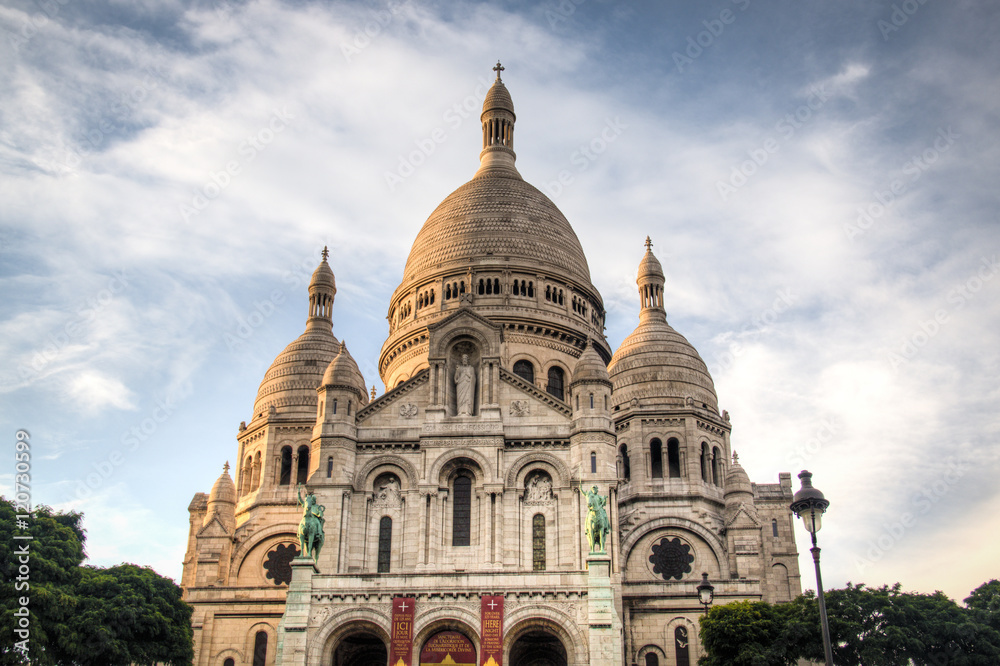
{"points": [[498, 129], [650, 280], [322, 290]]}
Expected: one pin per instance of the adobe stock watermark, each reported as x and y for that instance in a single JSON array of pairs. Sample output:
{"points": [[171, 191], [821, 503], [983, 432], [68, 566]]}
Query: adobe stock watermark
{"points": [[131, 439], [753, 330], [55, 343], [585, 155], [698, 43], [921, 504], [248, 151], [297, 278], [32, 24], [121, 110], [560, 13], [913, 169], [928, 329], [453, 117], [372, 28], [899, 17], [827, 430], [786, 127]]}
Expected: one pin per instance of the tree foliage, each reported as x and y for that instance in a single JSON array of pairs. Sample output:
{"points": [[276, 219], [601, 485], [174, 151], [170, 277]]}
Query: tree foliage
{"points": [[868, 626], [82, 615]]}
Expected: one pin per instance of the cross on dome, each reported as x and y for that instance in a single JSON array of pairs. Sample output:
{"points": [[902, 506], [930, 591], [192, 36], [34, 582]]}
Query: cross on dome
{"points": [[225, 468], [648, 244], [499, 68], [326, 253], [736, 458]]}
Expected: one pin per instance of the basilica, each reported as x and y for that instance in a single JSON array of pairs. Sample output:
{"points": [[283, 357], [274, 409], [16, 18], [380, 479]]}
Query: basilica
{"points": [[453, 508]]}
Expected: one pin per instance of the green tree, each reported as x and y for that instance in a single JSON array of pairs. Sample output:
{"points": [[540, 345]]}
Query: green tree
{"points": [[748, 633], [83, 615]]}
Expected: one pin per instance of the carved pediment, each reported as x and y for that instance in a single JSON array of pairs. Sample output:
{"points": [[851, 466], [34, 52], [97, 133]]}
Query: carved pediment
{"points": [[530, 399], [402, 403]]}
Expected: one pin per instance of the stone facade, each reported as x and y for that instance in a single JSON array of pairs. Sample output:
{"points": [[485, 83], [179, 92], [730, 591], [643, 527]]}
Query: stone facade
{"points": [[464, 478]]}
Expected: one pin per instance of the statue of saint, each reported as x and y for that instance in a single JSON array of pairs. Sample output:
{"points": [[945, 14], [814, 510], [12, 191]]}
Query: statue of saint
{"points": [[311, 526], [465, 387], [597, 525]]}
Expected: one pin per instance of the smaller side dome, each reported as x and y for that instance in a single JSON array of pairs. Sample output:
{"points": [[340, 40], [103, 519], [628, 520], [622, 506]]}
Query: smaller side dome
{"points": [[224, 490], [590, 367], [737, 481], [343, 371]]}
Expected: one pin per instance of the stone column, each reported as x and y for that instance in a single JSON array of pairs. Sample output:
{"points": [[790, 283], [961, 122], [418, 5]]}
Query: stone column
{"points": [[605, 626], [292, 630]]}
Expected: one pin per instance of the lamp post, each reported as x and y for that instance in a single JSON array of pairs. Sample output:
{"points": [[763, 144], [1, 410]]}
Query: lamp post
{"points": [[809, 505], [706, 592]]}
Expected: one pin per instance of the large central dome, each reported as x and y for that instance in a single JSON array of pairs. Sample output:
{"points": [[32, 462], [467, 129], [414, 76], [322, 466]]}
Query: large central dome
{"points": [[502, 249], [498, 216]]}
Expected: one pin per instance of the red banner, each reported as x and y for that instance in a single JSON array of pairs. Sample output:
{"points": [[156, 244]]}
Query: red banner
{"points": [[450, 648], [401, 643], [492, 630]]}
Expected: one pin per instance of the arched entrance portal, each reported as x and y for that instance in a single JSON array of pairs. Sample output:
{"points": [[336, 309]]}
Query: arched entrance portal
{"points": [[360, 649], [537, 648]]}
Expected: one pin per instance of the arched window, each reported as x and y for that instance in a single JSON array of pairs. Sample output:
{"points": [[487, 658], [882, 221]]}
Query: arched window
{"points": [[704, 462], [447, 292], [229, 662], [461, 512], [656, 459], [334, 405], [525, 370], [384, 543], [593, 462], [538, 542], [716, 464], [774, 528], [496, 285], [531, 290], [674, 458], [681, 641], [329, 467], [255, 479], [245, 476], [555, 386], [260, 649], [285, 477], [591, 400], [303, 468], [652, 659], [482, 288], [626, 466]]}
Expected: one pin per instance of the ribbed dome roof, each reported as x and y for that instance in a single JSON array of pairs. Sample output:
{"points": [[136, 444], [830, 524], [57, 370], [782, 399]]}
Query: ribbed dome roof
{"points": [[502, 217], [224, 489], [657, 365], [343, 371], [291, 382], [650, 266], [498, 98], [590, 367], [323, 275], [737, 480]]}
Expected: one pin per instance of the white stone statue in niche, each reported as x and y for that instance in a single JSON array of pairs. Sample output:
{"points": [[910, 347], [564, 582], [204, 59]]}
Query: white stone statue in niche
{"points": [[538, 489], [387, 494], [465, 387]]}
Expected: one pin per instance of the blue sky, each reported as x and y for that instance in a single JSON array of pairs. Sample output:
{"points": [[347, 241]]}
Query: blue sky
{"points": [[819, 180]]}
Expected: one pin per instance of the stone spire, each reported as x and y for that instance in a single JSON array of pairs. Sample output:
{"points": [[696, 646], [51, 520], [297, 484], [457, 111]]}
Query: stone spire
{"points": [[322, 289], [497, 157], [650, 281]]}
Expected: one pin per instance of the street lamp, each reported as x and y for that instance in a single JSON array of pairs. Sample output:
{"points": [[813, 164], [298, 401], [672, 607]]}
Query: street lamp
{"points": [[706, 592], [809, 505]]}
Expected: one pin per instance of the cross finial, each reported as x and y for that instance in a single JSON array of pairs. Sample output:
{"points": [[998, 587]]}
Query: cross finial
{"points": [[499, 68], [736, 458], [648, 244], [326, 253], [225, 468], [373, 391]]}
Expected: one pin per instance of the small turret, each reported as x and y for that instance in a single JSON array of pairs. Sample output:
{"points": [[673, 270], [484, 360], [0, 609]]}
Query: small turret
{"points": [[222, 501], [498, 130], [591, 385], [342, 390], [651, 280], [322, 290]]}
